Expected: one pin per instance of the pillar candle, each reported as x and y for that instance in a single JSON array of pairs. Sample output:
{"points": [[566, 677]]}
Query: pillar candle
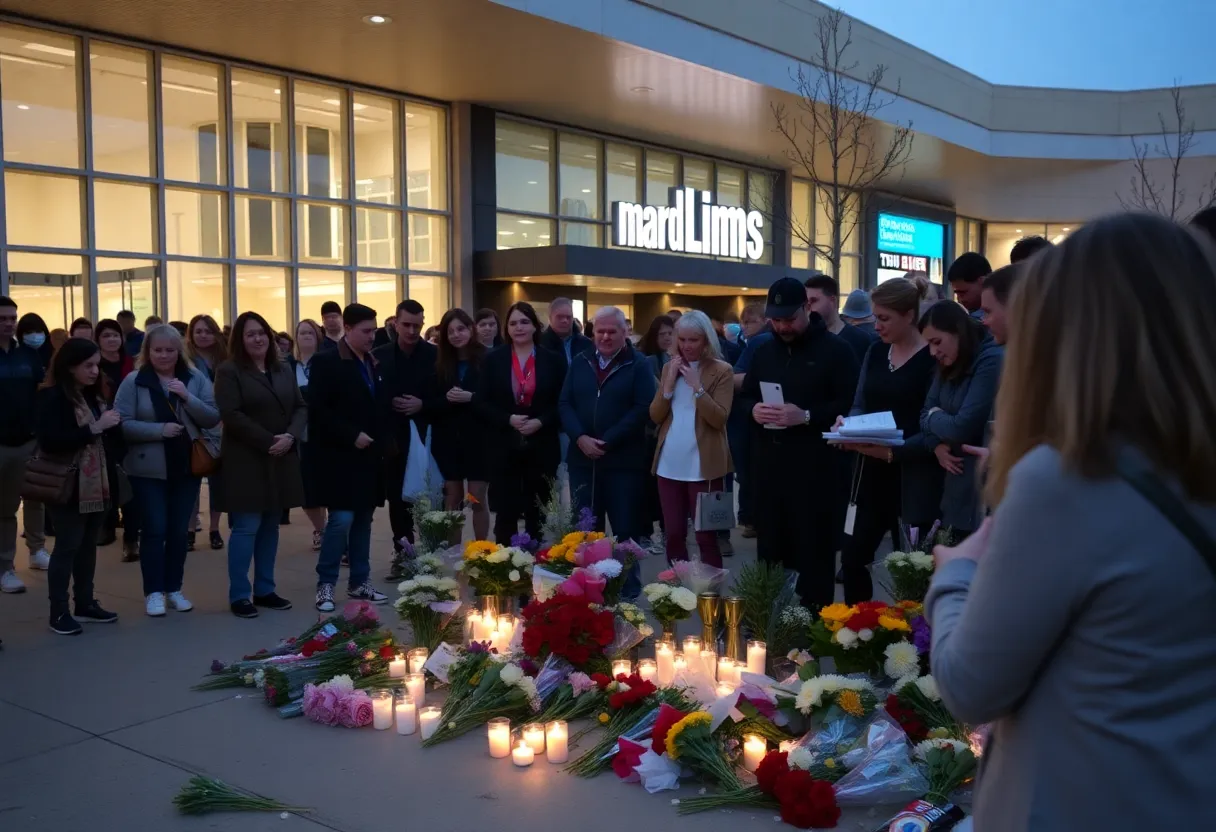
{"points": [[726, 669], [522, 755], [622, 667], [725, 689], [428, 721], [382, 710], [506, 628], [407, 717], [534, 736], [397, 667], [415, 686], [472, 626], [499, 730], [664, 656], [757, 656], [680, 663], [709, 661], [417, 659], [648, 670], [692, 645], [556, 738], [754, 749]]}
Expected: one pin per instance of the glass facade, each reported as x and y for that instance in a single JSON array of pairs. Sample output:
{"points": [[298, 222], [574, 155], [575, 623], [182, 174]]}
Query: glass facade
{"points": [[967, 236], [1001, 237], [143, 179], [811, 234]]}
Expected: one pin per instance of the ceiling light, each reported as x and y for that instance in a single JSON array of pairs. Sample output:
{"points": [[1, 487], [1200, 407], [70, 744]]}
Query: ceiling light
{"points": [[538, 146], [377, 19], [743, 289], [409, 115], [51, 50], [23, 106], [531, 181], [506, 233], [365, 181], [642, 89], [333, 102], [543, 236], [527, 278], [1019, 230], [586, 190], [526, 222], [1066, 228], [278, 92], [679, 285]]}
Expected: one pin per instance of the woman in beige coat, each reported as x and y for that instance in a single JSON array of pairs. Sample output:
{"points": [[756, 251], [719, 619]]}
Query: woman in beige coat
{"points": [[690, 408]]}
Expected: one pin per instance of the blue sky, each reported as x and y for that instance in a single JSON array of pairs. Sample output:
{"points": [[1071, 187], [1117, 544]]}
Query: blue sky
{"points": [[1083, 44]]}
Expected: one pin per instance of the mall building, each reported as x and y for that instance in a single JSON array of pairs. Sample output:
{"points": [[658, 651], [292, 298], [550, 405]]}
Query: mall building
{"points": [[177, 157]]}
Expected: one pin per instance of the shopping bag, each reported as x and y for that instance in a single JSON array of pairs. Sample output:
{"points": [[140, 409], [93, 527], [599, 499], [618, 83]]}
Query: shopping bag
{"points": [[422, 477], [715, 512]]}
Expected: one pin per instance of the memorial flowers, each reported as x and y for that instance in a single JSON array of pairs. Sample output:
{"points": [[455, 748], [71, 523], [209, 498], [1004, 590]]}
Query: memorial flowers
{"points": [[669, 603], [492, 688], [910, 574], [568, 626], [857, 636], [917, 706], [855, 697], [429, 604], [948, 764], [497, 570], [337, 702]]}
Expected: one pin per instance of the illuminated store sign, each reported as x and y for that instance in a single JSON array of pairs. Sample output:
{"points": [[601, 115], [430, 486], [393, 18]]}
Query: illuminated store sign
{"points": [[685, 227], [904, 235]]}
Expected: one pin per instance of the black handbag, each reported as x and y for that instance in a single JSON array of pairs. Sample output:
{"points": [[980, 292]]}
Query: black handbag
{"points": [[50, 479]]}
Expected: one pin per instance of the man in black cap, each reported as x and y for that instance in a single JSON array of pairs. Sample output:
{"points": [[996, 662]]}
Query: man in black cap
{"points": [[797, 478]]}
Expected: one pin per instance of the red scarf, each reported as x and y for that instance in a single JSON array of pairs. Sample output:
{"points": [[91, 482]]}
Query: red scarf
{"points": [[523, 379]]}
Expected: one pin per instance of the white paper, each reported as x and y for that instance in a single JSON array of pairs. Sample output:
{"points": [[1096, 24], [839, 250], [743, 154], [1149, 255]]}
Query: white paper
{"points": [[850, 517], [545, 583], [834, 438], [870, 424], [441, 661], [658, 772]]}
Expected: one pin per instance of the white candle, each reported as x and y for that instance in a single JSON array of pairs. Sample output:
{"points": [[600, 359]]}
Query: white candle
{"points": [[622, 667], [415, 686], [726, 669], [499, 730], [648, 670], [725, 689], [397, 667], [506, 629], [664, 656], [428, 721], [556, 737], [534, 736], [485, 627], [495, 639], [692, 645], [382, 710], [680, 663], [472, 626], [407, 721], [709, 660], [754, 749], [417, 659], [757, 656], [522, 755]]}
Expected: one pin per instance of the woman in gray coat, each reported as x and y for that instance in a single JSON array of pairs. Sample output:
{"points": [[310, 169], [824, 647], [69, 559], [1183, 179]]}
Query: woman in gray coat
{"points": [[165, 406], [1078, 619]]}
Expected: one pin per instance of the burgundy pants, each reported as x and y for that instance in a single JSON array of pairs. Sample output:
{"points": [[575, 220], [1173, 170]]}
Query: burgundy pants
{"points": [[679, 501]]}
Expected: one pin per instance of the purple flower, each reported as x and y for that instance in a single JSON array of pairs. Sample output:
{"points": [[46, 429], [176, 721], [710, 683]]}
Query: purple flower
{"points": [[405, 548], [922, 635], [352, 648], [523, 540], [478, 647], [529, 667], [628, 547], [586, 520], [217, 666]]}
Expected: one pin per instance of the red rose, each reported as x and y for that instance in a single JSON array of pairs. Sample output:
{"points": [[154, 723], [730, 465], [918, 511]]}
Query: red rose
{"points": [[862, 620], [387, 652], [774, 764], [668, 717], [601, 679], [907, 718], [543, 555], [872, 606], [806, 802], [311, 646]]}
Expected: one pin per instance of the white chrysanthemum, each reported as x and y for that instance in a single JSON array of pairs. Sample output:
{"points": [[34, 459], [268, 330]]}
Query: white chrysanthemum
{"points": [[810, 695], [428, 564], [921, 560], [684, 598], [903, 682], [474, 573], [654, 592], [498, 556], [922, 749], [610, 568], [846, 638], [801, 757], [447, 585], [895, 558], [513, 575], [342, 684], [511, 674], [528, 685], [866, 634], [521, 558], [928, 686], [902, 659]]}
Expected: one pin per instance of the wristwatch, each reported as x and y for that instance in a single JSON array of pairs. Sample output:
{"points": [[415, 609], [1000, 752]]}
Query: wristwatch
{"points": [[806, 417], [700, 392]]}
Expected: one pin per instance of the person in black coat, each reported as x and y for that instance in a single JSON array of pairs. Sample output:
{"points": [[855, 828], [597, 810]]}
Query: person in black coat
{"points": [[562, 336], [458, 440], [520, 386], [345, 435]]}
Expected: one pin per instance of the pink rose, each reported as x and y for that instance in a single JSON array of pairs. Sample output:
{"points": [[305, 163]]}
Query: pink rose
{"points": [[354, 610], [357, 710], [331, 703], [584, 584], [666, 576], [590, 553], [322, 708]]}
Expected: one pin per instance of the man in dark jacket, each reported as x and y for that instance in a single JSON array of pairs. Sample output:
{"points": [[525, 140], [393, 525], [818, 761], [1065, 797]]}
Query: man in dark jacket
{"points": [[386, 334], [823, 299], [605, 407], [796, 476], [561, 336], [345, 437], [408, 368]]}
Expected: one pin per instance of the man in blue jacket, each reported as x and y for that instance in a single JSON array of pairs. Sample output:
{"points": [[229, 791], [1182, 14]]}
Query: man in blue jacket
{"points": [[605, 406]]}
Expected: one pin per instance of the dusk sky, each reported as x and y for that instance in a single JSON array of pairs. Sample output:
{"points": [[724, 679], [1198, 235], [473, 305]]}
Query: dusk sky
{"points": [[1084, 44]]}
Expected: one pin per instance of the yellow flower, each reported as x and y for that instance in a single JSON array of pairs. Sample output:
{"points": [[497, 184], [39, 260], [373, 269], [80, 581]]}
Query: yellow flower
{"points": [[603, 719], [839, 613], [558, 551], [939, 734], [594, 536], [691, 721], [571, 555], [573, 539], [478, 549], [889, 623], [833, 626], [911, 607], [850, 702], [829, 763]]}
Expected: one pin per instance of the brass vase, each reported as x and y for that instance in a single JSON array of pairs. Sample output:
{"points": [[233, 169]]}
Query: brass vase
{"points": [[708, 607], [733, 616]]}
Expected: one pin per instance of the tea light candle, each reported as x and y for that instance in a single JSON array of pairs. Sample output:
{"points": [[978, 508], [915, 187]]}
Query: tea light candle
{"points": [[754, 749], [726, 670], [725, 689], [556, 739], [382, 710], [664, 656], [757, 656], [397, 667], [499, 730], [692, 645], [428, 721], [648, 670], [622, 667], [680, 664], [407, 719], [417, 658], [522, 755], [709, 661], [415, 686], [534, 736]]}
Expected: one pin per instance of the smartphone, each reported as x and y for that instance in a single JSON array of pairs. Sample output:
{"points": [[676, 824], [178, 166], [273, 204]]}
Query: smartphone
{"points": [[771, 395]]}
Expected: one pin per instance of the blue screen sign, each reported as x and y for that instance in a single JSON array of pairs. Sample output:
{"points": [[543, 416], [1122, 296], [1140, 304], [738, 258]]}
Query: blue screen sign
{"points": [[904, 235]]}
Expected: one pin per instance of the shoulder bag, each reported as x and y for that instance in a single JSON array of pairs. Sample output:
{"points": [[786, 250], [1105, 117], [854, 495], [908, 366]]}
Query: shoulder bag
{"points": [[1149, 486], [50, 479]]}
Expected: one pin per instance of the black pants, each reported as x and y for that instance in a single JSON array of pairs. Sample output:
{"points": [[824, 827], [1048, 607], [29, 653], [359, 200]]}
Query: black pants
{"points": [[400, 513], [798, 525], [74, 559], [521, 487]]}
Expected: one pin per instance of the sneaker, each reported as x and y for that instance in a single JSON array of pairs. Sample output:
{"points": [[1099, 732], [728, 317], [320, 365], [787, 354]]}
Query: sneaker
{"points": [[325, 598], [40, 560], [725, 547], [130, 552], [93, 613], [179, 602], [10, 583], [154, 605], [243, 609], [65, 625], [316, 540], [367, 592], [748, 531], [345, 560], [217, 542], [271, 602], [190, 541]]}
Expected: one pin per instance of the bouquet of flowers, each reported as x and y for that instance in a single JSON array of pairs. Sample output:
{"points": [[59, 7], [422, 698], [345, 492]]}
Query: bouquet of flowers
{"points": [[819, 694], [910, 574], [576, 698], [429, 603], [856, 637], [796, 783], [633, 615], [570, 627], [601, 567], [497, 689], [916, 705], [561, 556], [948, 764], [364, 658], [669, 601], [337, 702], [633, 720], [497, 570], [689, 739], [791, 633]]}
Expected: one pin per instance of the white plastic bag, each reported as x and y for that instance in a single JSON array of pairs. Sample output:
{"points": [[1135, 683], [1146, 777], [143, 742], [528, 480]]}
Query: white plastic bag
{"points": [[422, 477]]}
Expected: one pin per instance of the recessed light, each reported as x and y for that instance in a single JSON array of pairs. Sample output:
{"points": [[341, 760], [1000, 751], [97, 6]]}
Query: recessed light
{"points": [[377, 19], [678, 285], [409, 115], [526, 222], [642, 89], [51, 50], [527, 278], [23, 106], [1066, 228], [743, 289], [506, 233], [532, 182], [1019, 230], [586, 190], [278, 92]]}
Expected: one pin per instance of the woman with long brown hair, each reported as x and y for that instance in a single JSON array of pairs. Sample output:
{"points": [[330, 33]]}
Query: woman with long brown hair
{"points": [[1077, 619], [458, 442], [206, 348]]}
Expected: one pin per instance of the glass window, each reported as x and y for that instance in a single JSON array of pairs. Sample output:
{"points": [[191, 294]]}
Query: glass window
{"points": [[376, 148], [259, 115], [38, 81], [43, 210], [322, 233], [381, 292], [622, 168], [800, 258], [196, 223], [261, 228], [121, 108], [580, 234], [379, 238], [195, 137], [760, 198], [429, 243], [320, 140], [800, 215], [196, 289], [431, 292], [127, 283], [318, 286], [426, 157], [522, 232], [523, 167], [730, 186], [50, 285], [263, 289], [698, 174], [1002, 236], [662, 174], [124, 216], [579, 174], [850, 231]]}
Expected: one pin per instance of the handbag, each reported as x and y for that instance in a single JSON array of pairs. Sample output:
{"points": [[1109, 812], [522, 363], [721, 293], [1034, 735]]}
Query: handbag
{"points": [[50, 479], [715, 512], [202, 463]]}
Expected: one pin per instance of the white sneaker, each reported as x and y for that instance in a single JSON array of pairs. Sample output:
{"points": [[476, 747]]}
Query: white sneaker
{"points": [[40, 560], [155, 606], [10, 583], [179, 602]]}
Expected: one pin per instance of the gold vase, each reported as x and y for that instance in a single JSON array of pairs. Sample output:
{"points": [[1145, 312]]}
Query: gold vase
{"points": [[733, 616], [708, 607]]}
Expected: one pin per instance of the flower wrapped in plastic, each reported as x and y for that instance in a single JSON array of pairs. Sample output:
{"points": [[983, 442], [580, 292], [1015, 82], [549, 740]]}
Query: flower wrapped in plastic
{"points": [[429, 603], [499, 689], [856, 637], [497, 570], [570, 627], [670, 602], [699, 577]]}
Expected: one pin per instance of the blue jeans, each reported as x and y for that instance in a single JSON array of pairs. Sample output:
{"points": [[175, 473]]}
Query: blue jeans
{"points": [[613, 493], [347, 532], [255, 537], [166, 508]]}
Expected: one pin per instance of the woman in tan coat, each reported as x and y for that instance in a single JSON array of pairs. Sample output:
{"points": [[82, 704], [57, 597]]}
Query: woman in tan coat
{"points": [[264, 417], [690, 408]]}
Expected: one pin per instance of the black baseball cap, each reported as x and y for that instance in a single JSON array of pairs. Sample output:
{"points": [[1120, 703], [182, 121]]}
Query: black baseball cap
{"points": [[785, 298]]}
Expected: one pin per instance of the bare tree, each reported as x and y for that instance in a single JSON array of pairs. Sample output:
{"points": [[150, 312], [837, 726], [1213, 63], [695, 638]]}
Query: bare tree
{"points": [[1170, 197], [835, 137]]}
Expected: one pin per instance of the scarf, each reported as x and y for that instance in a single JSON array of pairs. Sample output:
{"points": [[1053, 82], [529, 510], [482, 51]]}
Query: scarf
{"points": [[94, 484]]}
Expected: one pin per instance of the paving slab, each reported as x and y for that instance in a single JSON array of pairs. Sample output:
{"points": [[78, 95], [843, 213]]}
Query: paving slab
{"points": [[27, 734]]}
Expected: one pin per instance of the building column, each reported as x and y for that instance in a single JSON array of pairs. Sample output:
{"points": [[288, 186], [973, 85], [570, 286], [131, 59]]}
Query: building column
{"points": [[462, 206]]}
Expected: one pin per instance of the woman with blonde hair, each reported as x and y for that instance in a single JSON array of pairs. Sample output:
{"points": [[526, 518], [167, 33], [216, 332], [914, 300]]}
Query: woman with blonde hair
{"points": [[690, 407], [1078, 618], [206, 349]]}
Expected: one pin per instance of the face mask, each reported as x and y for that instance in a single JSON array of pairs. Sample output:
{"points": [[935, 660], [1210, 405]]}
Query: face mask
{"points": [[34, 339]]}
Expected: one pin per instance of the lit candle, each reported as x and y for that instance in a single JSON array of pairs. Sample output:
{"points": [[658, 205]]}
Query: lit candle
{"points": [[417, 659], [522, 755], [407, 721], [680, 663], [506, 628], [534, 736], [415, 686], [664, 656], [725, 689], [382, 710], [709, 661], [622, 667], [754, 749], [428, 721], [556, 736], [757, 656], [499, 730], [726, 669], [648, 670], [787, 745], [472, 626], [692, 645], [397, 667]]}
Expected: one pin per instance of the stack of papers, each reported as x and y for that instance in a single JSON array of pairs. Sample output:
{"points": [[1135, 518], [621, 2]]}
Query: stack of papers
{"points": [[868, 428]]}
